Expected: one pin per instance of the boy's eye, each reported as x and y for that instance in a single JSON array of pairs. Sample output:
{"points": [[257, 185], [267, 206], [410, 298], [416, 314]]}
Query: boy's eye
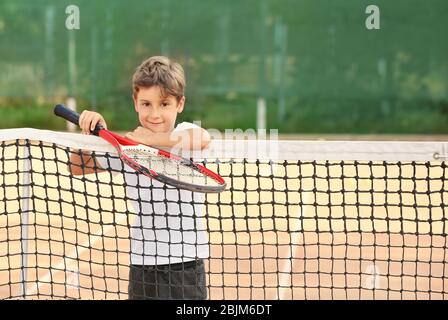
{"points": [[164, 104], [145, 104]]}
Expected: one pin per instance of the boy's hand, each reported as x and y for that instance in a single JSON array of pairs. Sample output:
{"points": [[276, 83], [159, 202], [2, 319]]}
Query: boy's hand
{"points": [[140, 134], [88, 121]]}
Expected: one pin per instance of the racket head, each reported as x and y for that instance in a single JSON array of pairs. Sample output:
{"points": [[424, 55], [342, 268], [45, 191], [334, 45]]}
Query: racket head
{"points": [[164, 166], [173, 170]]}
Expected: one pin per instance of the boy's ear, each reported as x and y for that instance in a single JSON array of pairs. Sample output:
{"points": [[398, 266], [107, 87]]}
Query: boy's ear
{"points": [[134, 98], [180, 105]]}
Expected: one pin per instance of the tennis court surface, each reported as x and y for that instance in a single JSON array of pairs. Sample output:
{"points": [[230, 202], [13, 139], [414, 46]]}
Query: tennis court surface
{"points": [[299, 220]]}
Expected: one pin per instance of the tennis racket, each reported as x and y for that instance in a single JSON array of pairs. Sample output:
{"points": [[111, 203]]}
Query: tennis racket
{"points": [[154, 163]]}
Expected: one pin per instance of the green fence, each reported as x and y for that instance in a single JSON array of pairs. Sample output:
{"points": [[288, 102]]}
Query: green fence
{"points": [[314, 61]]}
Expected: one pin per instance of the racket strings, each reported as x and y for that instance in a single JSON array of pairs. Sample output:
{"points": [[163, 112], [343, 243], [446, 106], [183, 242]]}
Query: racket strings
{"points": [[170, 167]]}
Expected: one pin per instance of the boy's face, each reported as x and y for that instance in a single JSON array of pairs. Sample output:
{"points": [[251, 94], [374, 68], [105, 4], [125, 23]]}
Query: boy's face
{"points": [[156, 112]]}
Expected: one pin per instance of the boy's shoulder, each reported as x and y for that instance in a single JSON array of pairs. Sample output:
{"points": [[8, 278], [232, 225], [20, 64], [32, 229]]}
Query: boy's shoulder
{"points": [[185, 126]]}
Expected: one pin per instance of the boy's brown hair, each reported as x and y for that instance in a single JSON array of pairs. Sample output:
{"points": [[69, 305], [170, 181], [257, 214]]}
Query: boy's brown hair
{"points": [[160, 71]]}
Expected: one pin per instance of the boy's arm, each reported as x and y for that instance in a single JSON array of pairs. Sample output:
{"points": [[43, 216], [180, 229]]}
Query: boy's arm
{"points": [[82, 162], [189, 139]]}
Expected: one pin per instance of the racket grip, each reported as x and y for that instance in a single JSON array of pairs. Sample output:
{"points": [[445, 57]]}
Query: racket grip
{"points": [[66, 113], [72, 116]]}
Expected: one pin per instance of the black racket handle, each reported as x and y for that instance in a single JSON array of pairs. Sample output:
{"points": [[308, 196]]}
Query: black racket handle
{"points": [[72, 116]]}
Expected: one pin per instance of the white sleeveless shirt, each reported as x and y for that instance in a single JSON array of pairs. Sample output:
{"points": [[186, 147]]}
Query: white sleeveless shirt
{"points": [[167, 224]]}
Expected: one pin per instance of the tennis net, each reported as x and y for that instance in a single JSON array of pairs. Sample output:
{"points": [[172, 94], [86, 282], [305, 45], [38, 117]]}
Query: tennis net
{"points": [[299, 220]]}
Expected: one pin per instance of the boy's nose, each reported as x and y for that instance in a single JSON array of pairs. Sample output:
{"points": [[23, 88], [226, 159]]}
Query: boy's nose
{"points": [[154, 114]]}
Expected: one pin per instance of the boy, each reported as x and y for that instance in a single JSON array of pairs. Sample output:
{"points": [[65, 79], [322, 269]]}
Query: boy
{"points": [[168, 242]]}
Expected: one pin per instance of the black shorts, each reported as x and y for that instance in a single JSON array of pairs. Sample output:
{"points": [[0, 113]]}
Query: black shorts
{"points": [[179, 281]]}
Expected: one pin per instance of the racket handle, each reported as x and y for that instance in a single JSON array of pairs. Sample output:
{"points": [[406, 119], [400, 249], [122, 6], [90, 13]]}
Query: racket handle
{"points": [[72, 116]]}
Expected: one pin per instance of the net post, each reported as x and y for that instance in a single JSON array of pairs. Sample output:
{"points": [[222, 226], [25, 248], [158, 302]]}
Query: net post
{"points": [[261, 114], [26, 179], [71, 104]]}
